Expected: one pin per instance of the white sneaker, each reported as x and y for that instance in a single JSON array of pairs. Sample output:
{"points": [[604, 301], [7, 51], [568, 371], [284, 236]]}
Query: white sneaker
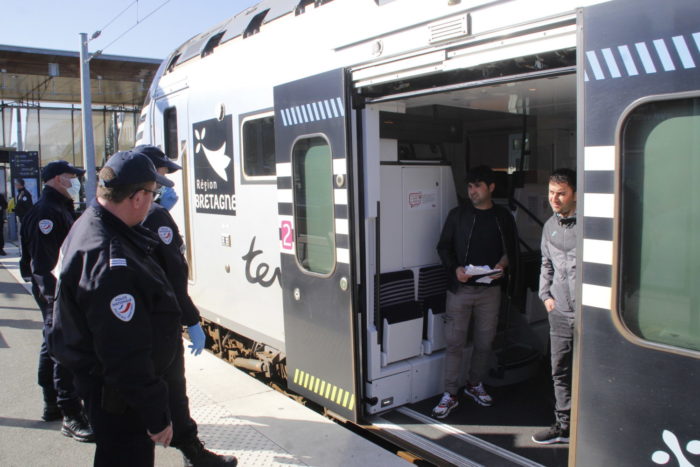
{"points": [[479, 394], [447, 403]]}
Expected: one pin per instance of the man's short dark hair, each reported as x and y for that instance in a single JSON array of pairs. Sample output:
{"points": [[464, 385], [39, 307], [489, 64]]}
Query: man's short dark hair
{"points": [[481, 173], [20, 181], [119, 193], [567, 176]]}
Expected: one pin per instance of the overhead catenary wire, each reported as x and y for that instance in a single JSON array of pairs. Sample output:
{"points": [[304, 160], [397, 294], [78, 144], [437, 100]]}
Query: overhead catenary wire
{"points": [[99, 31], [138, 21]]}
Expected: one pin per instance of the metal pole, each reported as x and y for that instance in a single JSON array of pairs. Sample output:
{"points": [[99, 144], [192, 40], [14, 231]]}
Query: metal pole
{"points": [[20, 144], [88, 139], [2, 121]]}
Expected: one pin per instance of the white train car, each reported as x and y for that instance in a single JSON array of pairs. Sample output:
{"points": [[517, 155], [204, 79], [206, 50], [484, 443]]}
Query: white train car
{"points": [[323, 144]]}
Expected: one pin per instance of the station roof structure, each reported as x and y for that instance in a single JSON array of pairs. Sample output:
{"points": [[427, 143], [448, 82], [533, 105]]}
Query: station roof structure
{"points": [[30, 75]]}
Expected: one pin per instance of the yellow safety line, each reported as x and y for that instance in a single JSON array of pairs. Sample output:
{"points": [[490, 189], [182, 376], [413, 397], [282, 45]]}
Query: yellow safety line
{"points": [[325, 389]]}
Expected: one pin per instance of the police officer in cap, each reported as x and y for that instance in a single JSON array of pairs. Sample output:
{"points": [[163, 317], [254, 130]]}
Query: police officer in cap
{"points": [[116, 317], [23, 199], [44, 228], [169, 254]]}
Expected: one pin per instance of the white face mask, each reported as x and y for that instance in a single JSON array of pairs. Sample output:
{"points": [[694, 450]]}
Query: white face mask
{"points": [[74, 190]]}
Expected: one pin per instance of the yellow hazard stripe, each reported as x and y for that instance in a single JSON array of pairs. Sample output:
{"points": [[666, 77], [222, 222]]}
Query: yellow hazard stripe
{"points": [[323, 388]]}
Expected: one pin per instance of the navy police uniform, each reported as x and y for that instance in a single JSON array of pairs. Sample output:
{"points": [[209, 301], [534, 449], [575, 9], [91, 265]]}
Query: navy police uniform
{"points": [[117, 327], [23, 203], [169, 254], [3, 208], [45, 227], [116, 320]]}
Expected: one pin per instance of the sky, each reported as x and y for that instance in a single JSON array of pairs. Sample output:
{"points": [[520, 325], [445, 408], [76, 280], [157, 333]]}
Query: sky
{"points": [[51, 24]]}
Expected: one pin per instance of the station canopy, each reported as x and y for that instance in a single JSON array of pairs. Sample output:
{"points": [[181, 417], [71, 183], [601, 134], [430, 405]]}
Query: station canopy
{"points": [[29, 75]]}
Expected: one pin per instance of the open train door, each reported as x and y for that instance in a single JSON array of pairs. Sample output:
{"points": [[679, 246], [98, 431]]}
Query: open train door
{"points": [[637, 368], [312, 150]]}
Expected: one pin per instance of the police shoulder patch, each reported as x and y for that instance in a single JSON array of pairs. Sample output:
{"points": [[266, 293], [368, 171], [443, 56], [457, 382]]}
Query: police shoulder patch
{"points": [[117, 263], [123, 306], [46, 226], [166, 234]]}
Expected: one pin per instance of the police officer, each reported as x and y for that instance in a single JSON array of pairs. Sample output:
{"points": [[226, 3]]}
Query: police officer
{"points": [[23, 199], [3, 208], [169, 254], [44, 228], [116, 317]]}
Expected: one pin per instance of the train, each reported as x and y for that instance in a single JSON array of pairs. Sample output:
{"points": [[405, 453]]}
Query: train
{"points": [[323, 143]]}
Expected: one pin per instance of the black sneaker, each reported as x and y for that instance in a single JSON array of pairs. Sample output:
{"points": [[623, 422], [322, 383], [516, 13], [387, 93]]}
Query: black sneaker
{"points": [[51, 413], [196, 455], [78, 428], [2, 253], [552, 435]]}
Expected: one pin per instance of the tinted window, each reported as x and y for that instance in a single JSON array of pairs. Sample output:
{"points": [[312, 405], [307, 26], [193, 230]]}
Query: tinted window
{"points": [[259, 147], [660, 222], [170, 126], [313, 204]]}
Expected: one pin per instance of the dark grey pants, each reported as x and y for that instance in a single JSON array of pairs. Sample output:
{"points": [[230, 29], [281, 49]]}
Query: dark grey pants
{"points": [[483, 303], [561, 336]]}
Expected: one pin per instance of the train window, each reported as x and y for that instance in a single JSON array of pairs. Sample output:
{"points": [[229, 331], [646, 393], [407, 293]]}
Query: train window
{"points": [[173, 62], [170, 132], [212, 43], [312, 172], [659, 295], [258, 140], [255, 23]]}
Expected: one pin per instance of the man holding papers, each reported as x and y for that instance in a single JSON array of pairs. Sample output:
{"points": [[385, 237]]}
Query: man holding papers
{"points": [[477, 244]]}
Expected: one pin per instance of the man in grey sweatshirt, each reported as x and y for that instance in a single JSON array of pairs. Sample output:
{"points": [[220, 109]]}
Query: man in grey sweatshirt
{"points": [[558, 292]]}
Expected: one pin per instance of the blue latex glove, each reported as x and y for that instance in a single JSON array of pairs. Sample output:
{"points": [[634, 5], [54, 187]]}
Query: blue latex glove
{"points": [[197, 338], [168, 197]]}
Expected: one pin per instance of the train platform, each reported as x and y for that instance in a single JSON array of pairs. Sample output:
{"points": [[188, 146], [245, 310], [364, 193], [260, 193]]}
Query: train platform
{"points": [[236, 414]]}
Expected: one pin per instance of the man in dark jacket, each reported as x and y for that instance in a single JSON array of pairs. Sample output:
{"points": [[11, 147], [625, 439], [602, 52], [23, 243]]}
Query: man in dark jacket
{"points": [[477, 244], [169, 254], [23, 199], [116, 318], [44, 228], [558, 292], [3, 208]]}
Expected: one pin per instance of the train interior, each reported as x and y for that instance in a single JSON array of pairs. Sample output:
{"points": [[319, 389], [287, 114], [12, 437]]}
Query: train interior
{"points": [[523, 130]]}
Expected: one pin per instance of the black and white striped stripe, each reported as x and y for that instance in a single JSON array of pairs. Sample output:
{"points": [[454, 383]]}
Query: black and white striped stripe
{"points": [[598, 211], [285, 207], [680, 52], [312, 112]]}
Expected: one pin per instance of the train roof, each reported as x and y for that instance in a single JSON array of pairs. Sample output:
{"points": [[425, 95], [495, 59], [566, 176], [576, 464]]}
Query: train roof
{"points": [[246, 23]]}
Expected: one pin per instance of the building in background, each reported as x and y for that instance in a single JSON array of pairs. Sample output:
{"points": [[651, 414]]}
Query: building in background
{"points": [[40, 106]]}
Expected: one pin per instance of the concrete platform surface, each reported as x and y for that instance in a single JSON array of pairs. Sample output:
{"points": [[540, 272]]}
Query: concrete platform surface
{"points": [[236, 414]]}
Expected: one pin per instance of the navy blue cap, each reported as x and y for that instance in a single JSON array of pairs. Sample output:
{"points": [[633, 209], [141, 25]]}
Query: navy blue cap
{"points": [[158, 157], [131, 168], [54, 168]]}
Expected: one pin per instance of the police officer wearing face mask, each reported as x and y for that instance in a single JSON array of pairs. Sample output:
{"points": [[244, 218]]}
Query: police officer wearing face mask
{"points": [[116, 317], [169, 254], [44, 228]]}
